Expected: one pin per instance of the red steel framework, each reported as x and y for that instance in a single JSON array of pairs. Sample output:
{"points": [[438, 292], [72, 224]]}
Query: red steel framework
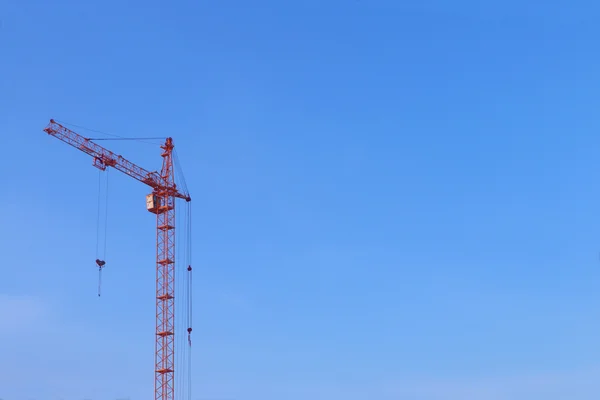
{"points": [[162, 203]]}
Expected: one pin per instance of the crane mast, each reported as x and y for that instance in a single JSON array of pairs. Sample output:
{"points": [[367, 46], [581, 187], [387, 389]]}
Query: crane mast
{"points": [[160, 202]]}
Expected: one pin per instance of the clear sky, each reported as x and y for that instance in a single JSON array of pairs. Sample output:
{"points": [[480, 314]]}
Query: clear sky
{"points": [[392, 199]]}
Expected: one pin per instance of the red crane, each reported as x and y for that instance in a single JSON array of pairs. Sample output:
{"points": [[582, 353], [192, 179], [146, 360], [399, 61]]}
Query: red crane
{"points": [[162, 203]]}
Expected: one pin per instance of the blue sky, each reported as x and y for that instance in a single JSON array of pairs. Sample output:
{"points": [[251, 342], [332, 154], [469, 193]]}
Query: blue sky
{"points": [[392, 200]]}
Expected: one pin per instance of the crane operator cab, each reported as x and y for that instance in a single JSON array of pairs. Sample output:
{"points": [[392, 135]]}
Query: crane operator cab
{"points": [[152, 203], [157, 204]]}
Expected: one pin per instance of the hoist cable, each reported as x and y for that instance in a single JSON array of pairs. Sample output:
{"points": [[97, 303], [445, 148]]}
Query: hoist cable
{"points": [[190, 293], [98, 230], [105, 217], [184, 278], [179, 311], [101, 218], [98, 216]]}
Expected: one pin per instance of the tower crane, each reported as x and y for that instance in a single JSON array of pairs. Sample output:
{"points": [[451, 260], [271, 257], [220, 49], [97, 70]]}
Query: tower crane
{"points": [[161, 202]]}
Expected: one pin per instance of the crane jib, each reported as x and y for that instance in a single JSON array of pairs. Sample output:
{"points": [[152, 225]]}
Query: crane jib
{"points": [[103, 158]]}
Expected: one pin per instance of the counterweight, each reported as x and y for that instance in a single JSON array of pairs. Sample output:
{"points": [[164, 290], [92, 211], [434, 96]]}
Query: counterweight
{"points": [[162, 203]]}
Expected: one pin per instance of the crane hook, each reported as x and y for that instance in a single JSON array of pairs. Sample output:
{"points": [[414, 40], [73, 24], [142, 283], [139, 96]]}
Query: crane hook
{"points": [[100, 264]]}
